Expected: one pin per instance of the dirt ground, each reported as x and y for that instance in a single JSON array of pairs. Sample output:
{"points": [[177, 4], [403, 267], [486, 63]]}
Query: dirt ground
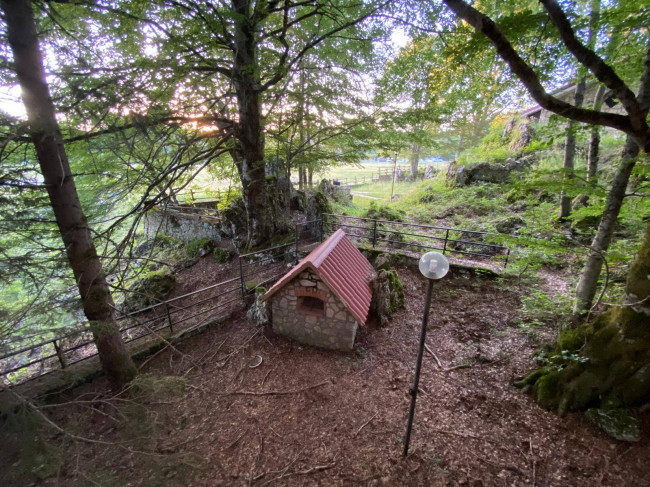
{"points": [[201, 415]]}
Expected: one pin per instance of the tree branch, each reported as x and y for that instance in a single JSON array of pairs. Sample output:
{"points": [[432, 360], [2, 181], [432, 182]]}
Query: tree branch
{"points": [[530, 80], [594, 63]]}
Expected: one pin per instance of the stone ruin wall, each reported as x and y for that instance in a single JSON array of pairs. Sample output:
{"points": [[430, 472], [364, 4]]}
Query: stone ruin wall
{"points": [[336, 330], [182, 226]]}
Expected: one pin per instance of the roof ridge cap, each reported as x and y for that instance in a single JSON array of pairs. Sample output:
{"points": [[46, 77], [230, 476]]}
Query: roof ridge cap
{"points": [[321, 253]]}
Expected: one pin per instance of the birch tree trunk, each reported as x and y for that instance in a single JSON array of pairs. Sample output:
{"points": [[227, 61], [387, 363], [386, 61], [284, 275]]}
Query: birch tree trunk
{"points": [[46, 136]]}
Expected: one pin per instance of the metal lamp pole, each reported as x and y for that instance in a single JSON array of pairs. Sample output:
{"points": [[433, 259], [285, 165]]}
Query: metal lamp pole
{"points": [[433, 266]]}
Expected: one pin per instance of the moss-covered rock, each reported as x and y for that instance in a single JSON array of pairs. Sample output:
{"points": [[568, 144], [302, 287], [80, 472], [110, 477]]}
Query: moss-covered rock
{"points": [[199, 247], [387, 295], [618, 423], [585, 224], [234, 219], [160, 241], [509, 225], [317, 204], [150, 289], [603, 364]]}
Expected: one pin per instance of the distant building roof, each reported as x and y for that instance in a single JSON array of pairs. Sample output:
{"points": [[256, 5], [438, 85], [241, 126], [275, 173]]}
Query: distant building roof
{"points": [[558, 93], [344, 270]]}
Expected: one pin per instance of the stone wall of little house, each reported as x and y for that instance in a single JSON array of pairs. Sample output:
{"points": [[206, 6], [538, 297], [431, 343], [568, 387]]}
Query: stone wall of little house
{"points": [[335, 330]]}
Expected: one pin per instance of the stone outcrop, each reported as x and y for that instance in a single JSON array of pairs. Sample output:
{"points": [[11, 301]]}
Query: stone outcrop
{"points": [[387, 295], [485, 172]]}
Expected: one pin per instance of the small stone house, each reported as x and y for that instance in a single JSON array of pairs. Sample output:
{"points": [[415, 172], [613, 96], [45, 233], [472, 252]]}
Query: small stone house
{"points": [[326, 297]]}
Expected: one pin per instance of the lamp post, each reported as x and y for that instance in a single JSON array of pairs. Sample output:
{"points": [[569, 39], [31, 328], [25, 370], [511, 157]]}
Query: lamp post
{"points": [[433, 265]]}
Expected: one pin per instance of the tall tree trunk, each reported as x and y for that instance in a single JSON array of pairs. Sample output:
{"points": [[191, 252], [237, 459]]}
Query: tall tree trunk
{"points": [[249, 145], [588, 282], [301, 178], [594, 141], [310, 176], [415, 159], [570, 150], [45, 134]]}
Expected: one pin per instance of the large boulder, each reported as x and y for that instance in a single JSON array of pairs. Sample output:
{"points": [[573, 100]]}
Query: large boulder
{"points": [[510, 225], [317, 204], [485, 172], [489, 173]]}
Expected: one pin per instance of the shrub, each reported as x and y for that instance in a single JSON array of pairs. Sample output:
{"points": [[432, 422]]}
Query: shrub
{"points": [[199, 247], [221, 255], [376, 212]]}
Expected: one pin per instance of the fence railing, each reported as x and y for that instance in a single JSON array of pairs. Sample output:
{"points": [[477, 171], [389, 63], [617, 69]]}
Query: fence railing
{"points": [[385, 173], [172, 315], [405, 236], [255, 269], [275, 261]]}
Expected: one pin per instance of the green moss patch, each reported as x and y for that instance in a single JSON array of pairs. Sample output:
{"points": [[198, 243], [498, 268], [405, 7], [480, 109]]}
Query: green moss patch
{"points": [[150, 289], [199, 247]]}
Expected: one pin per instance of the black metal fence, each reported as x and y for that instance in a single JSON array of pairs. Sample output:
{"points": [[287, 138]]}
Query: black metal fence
{"points": [[260, 268], [28, 361], [418, 238]]}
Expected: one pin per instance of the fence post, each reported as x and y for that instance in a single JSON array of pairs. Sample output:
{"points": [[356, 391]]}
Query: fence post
{"points": [[444, 248], [374, 234], [241, 276], [59, 354], [507, 257], [297, 237], [169, 317]]}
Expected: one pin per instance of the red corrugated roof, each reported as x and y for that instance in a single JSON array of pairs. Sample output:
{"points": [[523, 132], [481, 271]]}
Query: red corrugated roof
{"points": [[344, 269]]}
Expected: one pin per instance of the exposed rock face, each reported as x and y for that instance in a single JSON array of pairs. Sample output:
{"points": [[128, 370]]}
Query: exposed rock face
{"points": [[299, 201], [234, 218], [317, 204], [489, 173], [387, 295], [258, 313], [181, 226], [485, 172], [510, 225]]}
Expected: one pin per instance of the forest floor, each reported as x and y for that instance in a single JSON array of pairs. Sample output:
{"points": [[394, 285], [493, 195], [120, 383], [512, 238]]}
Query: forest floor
{"points": [[200, 414]]}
